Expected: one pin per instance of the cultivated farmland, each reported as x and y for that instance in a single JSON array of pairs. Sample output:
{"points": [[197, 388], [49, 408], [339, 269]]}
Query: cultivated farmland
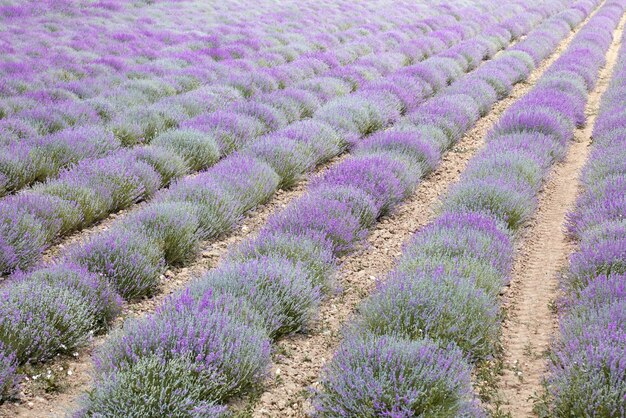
{"points": [[312, 208]]}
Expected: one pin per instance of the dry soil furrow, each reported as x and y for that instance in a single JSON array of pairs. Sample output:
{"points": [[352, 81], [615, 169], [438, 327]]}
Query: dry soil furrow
{"points": [[542, 256], [300, 357]]}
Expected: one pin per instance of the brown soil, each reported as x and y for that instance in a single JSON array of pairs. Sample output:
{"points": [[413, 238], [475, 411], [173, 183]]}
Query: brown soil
{"points": [[544, 252], [300, 357]]}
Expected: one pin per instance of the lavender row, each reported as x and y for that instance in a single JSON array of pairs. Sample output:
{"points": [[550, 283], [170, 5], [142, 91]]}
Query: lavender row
{"points": [[95, 188], [204, 207], [140, 92], [271, 286], [157, 47], [588, 360], [36, 158], [132, 254], [410, 350]]}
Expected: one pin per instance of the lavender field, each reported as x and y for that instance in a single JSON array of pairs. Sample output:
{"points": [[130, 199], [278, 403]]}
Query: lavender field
{"points": [[329, 208]]}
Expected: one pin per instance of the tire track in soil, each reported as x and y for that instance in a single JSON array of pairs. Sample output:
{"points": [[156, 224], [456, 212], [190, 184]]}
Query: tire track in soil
{"points": [[543, 254], [299, 358]]}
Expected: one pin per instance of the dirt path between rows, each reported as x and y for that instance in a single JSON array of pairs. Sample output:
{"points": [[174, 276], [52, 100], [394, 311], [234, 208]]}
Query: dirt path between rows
{"points": [[300, 357], [544, 252]]}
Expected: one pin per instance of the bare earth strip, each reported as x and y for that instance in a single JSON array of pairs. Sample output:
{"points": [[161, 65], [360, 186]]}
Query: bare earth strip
{"points": [[35, 402], [300, 358], [544, 252]]}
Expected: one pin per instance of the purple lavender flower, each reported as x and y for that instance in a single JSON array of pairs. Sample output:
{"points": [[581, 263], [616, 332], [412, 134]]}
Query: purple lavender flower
{"points": [[252, 181], [231, 130], [326, 88], [466, 239], [311, 252], [271, 118], [389, 376], [39, 319], [233, 353], [167, 164], [281, 292], [216, 208], [97, 293], [93, 204], [178, 387], [22, 238], [606, 257], [512, 202], [132, 262], [288, 158], [520, 119], [438, 306], [481, 91], [316, 214], [322, 137], [385, 180], [295, 104], [56, 216], [587, 366], [8, 372], [417, 148], [121, 177], [57, 151]]}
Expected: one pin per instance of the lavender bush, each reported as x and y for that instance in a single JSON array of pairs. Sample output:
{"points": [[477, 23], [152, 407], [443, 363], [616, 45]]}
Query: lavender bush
{"points": [[22, 238], [288, 158], [314, 214], [311, 252], [198, 150], [216, 208], [56, 216], [173, 225], [97, 293], [168, 165], [92, 205], [437, 306], [232, 353], [382, 179], [8, 372], [39, 319], [281, 291], [132, 262], [251, 180], [139, 391], [388, 376]]}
